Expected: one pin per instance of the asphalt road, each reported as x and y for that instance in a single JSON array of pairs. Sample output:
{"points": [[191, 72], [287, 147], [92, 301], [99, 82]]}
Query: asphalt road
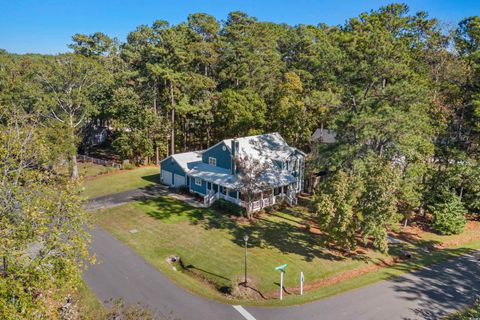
{"points": [[426, 294]]}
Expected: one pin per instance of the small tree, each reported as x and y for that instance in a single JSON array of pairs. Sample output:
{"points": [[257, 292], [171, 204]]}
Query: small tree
{"points": [[450, 217], [335, 207], [250, 178]]}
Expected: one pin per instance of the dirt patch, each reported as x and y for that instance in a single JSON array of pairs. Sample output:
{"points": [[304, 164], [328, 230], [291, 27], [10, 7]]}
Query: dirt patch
{"points": [[248, 291], [334, 280]]}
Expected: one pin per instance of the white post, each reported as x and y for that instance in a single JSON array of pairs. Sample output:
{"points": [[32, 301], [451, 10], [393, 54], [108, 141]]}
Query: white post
{"points": [[281, 285], [301, 282]]}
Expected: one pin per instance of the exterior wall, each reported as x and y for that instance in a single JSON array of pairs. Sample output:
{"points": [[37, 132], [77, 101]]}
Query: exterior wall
{"points": [[224, 158], [172, 166], [198, 189]]}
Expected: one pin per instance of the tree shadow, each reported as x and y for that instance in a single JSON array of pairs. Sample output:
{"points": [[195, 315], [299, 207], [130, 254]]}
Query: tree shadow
{"points": [[443, 288], [282, 235], [165, 208]]}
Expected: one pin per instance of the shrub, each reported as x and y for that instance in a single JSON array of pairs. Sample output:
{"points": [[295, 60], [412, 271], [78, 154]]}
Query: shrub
{"points": [[183, 190], [269, 209], [228, 207], [128, 166], [450, 217]]}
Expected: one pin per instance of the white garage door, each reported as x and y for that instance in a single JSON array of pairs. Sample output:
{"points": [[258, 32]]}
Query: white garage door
{"points": [[166, 177], [178, 180]]}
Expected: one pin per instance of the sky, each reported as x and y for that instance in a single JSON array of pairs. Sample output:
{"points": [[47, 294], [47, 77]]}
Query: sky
{"points": [[46, 26]]}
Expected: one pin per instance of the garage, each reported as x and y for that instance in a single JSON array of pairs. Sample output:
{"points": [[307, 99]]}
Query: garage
{"points": [[178, 180], [166, 177]]}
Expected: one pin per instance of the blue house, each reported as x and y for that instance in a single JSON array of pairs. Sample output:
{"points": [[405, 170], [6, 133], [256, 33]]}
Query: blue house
{"points": [[212, 173]]}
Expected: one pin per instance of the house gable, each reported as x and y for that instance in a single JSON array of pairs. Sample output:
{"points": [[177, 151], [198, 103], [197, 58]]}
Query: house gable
{"points": [[221, 153], [169, 164]]}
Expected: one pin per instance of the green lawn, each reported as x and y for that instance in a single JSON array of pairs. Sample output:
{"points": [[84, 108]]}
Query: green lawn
{"points": [[90, 308], [211, 246], [121, 181]]}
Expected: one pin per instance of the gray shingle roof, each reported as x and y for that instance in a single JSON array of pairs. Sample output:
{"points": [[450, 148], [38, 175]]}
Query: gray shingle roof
{"points": [[324, 136]]}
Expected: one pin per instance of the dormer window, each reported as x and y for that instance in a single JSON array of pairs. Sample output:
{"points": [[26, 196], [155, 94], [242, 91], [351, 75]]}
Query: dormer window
{"points": [[212, 161]]}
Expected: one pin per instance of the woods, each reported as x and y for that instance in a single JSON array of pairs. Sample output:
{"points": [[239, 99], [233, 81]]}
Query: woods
{"points": [[401, 92]]}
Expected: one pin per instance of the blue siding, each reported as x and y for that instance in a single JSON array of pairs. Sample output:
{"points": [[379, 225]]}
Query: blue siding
{"points": [[171, 165], [224, 158], [199, 189]]}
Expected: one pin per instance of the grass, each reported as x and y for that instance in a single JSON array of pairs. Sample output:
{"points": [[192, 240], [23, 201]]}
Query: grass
{"points": [[468, 314], [211, 246], [120, 181], [87, 169], [90, 308]]}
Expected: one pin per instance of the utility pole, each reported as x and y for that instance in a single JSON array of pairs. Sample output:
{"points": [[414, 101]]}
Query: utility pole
{"points": [[245, 238]]}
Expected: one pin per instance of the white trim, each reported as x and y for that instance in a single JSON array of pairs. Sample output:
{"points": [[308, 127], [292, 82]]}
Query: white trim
{"points": [[212, 161], [196, 182]]}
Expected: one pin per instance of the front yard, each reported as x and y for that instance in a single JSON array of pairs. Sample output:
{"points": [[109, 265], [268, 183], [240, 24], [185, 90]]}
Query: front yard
{"points": [[211, 246], [121, 180]]}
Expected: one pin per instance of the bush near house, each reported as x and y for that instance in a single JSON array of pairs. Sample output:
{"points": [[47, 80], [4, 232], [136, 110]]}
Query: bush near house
{"points": [[228, 207]]}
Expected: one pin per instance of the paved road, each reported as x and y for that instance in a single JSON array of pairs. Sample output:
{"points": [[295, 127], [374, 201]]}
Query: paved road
{"points": [[427, 294]]}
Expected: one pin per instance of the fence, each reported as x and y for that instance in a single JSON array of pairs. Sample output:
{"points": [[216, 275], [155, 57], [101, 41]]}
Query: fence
{"points": [[108, 163]]}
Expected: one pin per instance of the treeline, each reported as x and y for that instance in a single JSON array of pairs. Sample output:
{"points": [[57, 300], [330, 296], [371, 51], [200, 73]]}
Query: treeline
{"points": [[400, 90]]}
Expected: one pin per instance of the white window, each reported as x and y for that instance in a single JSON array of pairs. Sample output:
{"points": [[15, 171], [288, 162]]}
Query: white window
{"points": [[212, 161], [198, 181]]}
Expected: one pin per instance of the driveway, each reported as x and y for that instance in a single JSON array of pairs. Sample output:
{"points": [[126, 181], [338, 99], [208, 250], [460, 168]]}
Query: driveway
{"points": [[118, 199], [426, 294]]}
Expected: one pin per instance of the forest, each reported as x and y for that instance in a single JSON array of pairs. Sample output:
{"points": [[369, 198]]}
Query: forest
{"points": [[401, 90]]}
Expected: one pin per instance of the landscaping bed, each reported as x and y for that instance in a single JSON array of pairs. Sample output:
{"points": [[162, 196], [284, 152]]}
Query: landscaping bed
{"points": [[211, 246]]}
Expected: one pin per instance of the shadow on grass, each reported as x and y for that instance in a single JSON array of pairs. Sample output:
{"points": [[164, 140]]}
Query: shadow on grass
{"points": [[207, 272], [283, 235], [446, 287], [169, 209], [155, 178]]}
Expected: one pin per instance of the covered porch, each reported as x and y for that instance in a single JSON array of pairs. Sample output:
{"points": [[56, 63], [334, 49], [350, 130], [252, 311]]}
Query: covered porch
{"points": [[261, 200]]}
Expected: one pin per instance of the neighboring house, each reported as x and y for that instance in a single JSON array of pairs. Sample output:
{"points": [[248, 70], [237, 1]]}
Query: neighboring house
{"points": [[325, 136], [211, 172], [97, 135]]}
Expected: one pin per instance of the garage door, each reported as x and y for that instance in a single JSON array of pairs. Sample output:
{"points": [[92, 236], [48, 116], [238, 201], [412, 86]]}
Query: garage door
{"points": [[166, 177], [178, 180]]}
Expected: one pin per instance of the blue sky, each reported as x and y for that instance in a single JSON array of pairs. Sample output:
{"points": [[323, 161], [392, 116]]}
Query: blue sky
{"points": [[46, 26]]}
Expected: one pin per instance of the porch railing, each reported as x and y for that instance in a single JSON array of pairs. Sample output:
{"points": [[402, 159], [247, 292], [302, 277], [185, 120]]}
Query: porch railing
{"points": [[290, 197]]}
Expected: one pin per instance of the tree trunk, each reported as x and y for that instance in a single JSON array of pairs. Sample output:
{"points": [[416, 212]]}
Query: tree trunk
{"points": [[74, 166], [157, 152], [172, 104], [74, 155]]}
